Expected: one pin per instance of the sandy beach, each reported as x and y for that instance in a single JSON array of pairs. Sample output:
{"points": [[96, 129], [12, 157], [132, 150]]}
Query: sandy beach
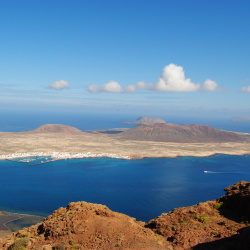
{"points": [[65, 146]]}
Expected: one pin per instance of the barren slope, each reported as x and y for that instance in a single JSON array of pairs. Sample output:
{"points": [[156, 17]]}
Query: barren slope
{"points": [[167, 132], [87, 226]]}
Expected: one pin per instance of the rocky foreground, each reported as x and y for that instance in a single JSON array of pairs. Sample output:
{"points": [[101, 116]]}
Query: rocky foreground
{"points": [[219, 224]]}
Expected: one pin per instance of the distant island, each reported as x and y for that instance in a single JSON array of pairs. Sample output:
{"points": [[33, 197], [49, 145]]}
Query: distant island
{"points": [[152, 137], [147, 120], [241, 119]]}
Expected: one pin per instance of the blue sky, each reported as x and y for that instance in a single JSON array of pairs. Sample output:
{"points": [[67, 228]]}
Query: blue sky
{"points": [[145, 57]]}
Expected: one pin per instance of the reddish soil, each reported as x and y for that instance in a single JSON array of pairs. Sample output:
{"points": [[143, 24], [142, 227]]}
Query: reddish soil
{"points": [[88, 226], [219, 224], [208, 225]]}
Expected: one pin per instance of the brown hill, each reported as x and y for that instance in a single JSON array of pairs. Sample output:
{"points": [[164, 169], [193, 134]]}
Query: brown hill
{"points": [[209, 225], [219, 224], [84, 225], [167, 132], [55, 128]]}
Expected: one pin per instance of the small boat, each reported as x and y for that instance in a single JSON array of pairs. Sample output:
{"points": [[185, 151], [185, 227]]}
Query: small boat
{"points": [[205, 171]]}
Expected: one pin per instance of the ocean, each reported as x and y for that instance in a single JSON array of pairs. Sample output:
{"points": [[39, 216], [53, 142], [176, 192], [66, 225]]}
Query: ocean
{"points": [[142, 188]]}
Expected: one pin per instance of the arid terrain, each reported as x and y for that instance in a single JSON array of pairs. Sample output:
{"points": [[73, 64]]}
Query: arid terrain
{"points": [[218, 224], [61, 138]]}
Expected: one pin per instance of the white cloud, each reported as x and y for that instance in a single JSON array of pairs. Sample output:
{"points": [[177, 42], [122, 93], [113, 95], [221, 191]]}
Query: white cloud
{"points": [[143, 85], [210, 85], [246, 89], [115, 87], [58, 85], [139, 85], [130, 88], [111, 86], [94, 88], [172, 79]]}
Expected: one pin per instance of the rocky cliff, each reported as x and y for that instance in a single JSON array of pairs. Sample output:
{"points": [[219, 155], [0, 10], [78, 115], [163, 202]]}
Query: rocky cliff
{"points": [[219, 224]]}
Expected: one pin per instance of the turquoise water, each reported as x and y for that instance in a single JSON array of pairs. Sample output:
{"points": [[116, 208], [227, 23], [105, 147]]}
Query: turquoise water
{"points": [[140, 188]]}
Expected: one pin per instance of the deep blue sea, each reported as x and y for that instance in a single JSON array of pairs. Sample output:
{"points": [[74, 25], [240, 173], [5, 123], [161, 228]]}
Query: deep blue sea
{"points": [[140, 188]]}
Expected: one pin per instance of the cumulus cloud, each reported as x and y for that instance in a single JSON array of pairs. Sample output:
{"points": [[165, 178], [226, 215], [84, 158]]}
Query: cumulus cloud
{"points": [[115, 87], [210, 85], [143, 85], [58, 85], [172, 79], [130, 88], [246, 89], [94, 88], [139, 85], [111, 86]]}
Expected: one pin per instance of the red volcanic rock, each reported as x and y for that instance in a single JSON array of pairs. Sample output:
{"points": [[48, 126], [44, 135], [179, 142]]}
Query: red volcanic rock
{"points": [[208, 225], [84, 225], [167, 132]]}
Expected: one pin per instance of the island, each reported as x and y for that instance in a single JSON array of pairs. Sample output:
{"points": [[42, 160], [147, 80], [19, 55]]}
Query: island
{"points": [[143, 140]]}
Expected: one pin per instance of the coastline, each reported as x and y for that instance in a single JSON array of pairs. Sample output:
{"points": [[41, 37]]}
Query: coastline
{"points": [[89, 145], [7, 217], [61, 155], [55, 156]]}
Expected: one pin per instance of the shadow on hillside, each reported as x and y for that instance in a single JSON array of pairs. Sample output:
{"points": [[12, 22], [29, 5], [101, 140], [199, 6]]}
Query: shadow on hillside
{"points": [[236, 242], [236, 208], [109, 132], [232, 214]]}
